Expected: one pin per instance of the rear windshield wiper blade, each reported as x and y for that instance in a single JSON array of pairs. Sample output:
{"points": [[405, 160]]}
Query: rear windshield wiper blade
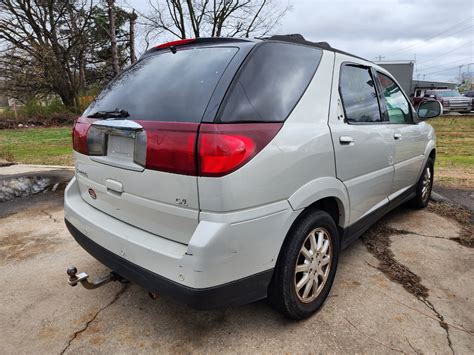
{"points": [[115, 114]]}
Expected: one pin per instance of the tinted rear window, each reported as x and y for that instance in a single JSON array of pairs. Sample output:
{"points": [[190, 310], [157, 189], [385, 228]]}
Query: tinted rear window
{"points": [[270, 83], [167, 86]]}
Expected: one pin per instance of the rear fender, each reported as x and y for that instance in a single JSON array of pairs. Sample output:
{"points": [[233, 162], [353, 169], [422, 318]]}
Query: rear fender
{"points": [[320, 188]]}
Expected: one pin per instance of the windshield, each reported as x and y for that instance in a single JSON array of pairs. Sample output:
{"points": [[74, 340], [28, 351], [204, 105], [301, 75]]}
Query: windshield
{"points": [[166, 86], [448, 93]]}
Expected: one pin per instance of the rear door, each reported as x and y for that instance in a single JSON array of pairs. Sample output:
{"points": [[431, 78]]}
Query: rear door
{"points": [[409, 140], [141, 163], [363, 142]]}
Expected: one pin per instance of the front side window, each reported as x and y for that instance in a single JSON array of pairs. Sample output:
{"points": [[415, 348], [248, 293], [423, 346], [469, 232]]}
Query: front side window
{"points": [[398, 108], [359, 95], [270, 83]]}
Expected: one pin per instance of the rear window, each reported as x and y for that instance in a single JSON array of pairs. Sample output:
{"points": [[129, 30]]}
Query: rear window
{"points": [[166, 86], [270, 83]]}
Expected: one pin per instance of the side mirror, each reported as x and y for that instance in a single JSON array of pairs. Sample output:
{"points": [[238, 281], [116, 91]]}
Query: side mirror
{"points": [[429, 109]]}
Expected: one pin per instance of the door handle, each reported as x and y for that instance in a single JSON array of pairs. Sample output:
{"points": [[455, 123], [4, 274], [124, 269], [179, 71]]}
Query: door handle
{"points": [[346, 140], [114, 186], [397, 136]]}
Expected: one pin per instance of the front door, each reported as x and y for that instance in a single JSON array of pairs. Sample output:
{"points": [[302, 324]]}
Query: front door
{"points": [[407, 136], [363, 141]]}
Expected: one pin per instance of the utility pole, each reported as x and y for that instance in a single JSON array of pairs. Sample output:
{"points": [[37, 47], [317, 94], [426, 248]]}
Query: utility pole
{"points": [[379, 57], [459, 76], [424, 75]]}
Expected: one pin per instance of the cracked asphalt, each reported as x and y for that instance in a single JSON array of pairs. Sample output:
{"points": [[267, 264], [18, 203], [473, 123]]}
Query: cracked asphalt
{"points": [[406, 287]]}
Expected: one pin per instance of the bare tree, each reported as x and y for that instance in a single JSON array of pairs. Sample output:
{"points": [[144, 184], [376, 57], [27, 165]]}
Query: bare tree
{"points": [[214, 18], [133, 20], [44, 46], [113, 36]]}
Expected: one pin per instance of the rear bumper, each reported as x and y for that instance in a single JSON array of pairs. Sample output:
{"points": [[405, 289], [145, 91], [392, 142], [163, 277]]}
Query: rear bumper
{"points": [[237, 292], [228, 261]]}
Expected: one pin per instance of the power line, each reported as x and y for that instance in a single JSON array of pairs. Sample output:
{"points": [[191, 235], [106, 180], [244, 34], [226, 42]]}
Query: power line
{"points": [[441, 66], [437, 35], [460, 46], [427, 43], [439, 71]]}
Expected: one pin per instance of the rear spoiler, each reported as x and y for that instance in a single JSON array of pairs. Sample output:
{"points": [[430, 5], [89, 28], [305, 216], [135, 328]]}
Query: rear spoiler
{"points": [[193, 41]]}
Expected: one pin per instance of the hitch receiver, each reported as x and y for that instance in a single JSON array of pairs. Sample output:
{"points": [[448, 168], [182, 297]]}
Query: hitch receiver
{"points": [[82, 277]]}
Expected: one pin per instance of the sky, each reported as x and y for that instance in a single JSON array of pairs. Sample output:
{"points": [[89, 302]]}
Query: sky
{"points": [[439, 34]]}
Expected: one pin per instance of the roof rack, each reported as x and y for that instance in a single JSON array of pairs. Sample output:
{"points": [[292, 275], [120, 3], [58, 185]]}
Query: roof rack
{"points": [[298, 38]]}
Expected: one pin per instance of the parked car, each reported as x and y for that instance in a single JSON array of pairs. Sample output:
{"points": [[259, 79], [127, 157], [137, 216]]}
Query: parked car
{"points": [[222, 171], [470, 95], [451, 100]]}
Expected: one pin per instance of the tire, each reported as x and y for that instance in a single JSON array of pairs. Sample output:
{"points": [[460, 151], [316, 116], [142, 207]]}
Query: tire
{"points": [[283, 294], [422, 197]]}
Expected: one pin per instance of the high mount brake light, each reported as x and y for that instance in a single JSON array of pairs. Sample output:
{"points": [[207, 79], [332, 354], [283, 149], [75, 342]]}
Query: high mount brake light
{"points": [[186, 148], [177, 43]]}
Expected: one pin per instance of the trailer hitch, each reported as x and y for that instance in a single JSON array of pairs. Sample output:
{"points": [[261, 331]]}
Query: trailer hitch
{"points": [[75, 278]]}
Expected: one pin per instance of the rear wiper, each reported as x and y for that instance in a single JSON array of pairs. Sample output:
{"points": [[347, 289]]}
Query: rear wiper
{"points": [[115, 114]]}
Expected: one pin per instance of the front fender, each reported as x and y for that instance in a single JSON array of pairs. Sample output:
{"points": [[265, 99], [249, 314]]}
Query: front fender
{"points": [[318, 189]]}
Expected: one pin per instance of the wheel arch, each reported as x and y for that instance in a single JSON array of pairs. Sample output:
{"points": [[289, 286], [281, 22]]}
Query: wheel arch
{"points": [[327, 194]]}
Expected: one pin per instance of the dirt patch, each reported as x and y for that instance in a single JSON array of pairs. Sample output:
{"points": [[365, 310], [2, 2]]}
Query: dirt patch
{"points": [[20, 246], [377, 241], [462, 215]]}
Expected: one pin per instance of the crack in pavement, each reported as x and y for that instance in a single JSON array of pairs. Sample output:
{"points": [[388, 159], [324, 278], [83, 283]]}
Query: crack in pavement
{"points": [[49, 215], [373, 339], [378, 242], [88, 323], [405, 232]]}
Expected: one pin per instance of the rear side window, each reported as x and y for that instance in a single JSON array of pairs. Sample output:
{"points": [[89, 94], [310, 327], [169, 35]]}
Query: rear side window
{"points": [[270, 83], [166, 86], [359, 95]]}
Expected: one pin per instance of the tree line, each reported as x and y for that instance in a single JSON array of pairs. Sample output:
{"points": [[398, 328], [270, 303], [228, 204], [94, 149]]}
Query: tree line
{"points": [[68, 48]]}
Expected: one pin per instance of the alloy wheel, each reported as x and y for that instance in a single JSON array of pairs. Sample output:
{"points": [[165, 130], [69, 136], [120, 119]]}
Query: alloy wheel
{"points": [[313, 265]]}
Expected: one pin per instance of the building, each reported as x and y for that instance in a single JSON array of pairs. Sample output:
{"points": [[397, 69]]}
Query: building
{"points": [[402, 70]]}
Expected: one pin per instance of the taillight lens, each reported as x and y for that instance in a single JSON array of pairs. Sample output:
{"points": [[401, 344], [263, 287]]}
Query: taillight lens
{"points": [[87, 139], [171, 146], [224, 148], [79, 135]]}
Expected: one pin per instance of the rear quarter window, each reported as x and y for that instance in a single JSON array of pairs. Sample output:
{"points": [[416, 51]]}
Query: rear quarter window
{"points": [[270, 83], [165, 86]]}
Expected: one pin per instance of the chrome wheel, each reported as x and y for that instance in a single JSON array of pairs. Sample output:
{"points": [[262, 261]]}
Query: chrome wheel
{"points": [[426, 187], [313, 265]]}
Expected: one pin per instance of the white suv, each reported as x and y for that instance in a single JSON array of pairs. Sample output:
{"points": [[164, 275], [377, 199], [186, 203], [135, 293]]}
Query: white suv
{"points": [[221, 171]]}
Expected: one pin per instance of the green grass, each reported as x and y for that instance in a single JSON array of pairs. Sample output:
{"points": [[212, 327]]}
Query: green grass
{"points": [[455, 140], [455, 149], [51, 146]]}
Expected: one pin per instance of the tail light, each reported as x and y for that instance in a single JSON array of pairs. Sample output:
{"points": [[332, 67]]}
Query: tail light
{"points": [[224, 148], [171, 146], [87, 139], [185, 148], [79, 135]]}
